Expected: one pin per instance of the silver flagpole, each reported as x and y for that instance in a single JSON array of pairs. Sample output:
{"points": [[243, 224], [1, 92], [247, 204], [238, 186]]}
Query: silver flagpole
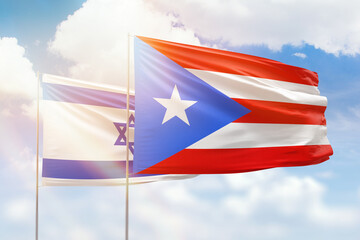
{"points": [[37, 162], [127, 147]]}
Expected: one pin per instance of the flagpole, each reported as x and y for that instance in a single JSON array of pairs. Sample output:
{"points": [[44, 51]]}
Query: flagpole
{"points": [[37, 161], [127, 146]]}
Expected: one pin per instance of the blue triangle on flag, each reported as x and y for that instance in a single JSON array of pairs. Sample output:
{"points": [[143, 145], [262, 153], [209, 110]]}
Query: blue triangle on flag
{"points": [[156, 77]]}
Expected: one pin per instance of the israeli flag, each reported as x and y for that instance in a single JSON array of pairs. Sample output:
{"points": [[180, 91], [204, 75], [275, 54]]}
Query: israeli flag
{"points": [[84, 134]]}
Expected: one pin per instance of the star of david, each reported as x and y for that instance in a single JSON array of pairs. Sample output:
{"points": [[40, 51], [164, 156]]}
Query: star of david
{"points": [[121, 127]]}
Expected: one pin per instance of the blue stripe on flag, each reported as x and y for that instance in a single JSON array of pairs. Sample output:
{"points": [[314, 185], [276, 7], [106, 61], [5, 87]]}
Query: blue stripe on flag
{"points": [[64, 93], [75, 169]]}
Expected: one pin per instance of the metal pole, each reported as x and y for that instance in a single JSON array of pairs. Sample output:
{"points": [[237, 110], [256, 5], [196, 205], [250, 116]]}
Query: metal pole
{"points": [[127, 146], [37, 162]]}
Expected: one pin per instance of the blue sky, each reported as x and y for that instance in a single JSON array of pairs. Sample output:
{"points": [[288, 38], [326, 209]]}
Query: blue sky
{"points": [[88, 41]]}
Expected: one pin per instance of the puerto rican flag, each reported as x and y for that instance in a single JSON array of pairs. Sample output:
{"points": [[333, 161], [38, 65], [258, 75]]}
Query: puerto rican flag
{"points": [[201, 110]]}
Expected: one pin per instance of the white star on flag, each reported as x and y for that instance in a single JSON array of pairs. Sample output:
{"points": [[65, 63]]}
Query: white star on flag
{"points": [[175, 106]]}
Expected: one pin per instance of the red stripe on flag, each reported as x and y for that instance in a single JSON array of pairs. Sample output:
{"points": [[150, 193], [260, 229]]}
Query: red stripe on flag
{"points": [[209, 59], [209, 161], [280, 112]]}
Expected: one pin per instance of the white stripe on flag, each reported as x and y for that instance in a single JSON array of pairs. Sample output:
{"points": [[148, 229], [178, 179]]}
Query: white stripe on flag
{"points": [[112, 181], [245, 87], [82, 132], [252, 135]]}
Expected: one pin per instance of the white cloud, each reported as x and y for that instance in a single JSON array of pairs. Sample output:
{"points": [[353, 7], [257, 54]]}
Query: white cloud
{"points": [[81, 233], [18, 81], [25, 160], [18, 89], [271, 202], [16, 76], [5, 112], [19, 161], [300, 55], [95, 37], [19, 210], [179, 194], [29, 109], [330, 25], [261, 205], [286, 195]]}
